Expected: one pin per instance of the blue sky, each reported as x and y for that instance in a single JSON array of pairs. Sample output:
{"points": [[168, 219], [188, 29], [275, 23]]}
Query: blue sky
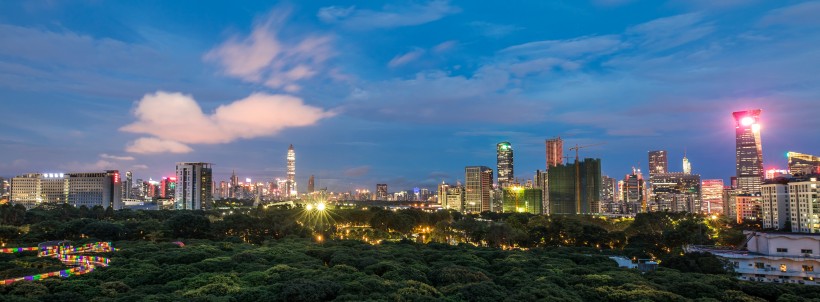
{"points": [[405, 93]]}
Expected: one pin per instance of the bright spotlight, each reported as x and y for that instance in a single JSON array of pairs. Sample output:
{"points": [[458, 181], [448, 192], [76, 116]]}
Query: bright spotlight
{"points": [[309, 207], [756, 127], [747, 121], [320, 206]]}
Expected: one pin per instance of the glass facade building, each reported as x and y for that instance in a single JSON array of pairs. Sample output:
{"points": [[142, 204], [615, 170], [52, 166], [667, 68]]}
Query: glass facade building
{"points": [[748, 150], [575, 188], [505, 172]]}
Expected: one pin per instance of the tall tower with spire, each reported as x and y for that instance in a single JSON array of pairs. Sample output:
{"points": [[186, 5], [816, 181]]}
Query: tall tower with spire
{"points": [[687, 166], [290, 189]]}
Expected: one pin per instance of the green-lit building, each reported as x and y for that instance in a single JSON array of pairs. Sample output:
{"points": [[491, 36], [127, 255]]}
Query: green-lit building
{"points": [[519, 199], [563, 189]]}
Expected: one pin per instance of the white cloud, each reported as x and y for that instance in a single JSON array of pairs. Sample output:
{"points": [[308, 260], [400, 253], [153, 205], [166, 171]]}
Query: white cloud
{"points": [[357, 171], [151, 145], [388, 17], [405, 58], [115, 157], [263, 58], [493, 30], [669, 32], [89, 167], [807, 13], [175, 119], [139, 167], [566, 48], [445, 46]]}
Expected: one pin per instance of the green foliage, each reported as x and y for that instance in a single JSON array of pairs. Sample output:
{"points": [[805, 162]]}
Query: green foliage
{"points": [[267, 255]]}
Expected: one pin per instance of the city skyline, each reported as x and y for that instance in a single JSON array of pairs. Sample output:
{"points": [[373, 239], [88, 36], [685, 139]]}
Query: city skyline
{"points": [[364, 108]]}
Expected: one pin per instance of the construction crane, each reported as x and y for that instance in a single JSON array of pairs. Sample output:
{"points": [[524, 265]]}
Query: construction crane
{"points": [[578, 176]]}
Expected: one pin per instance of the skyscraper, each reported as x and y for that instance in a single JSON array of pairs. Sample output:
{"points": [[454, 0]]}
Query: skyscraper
{"points": [[748, 150], [193, 188], [575, 188], [658, 162], [712, 193], [479, 183], [633, 192], [311, 184], [555, 152], [381, 191], [504, 153], [127, 185], [290, 186], [687, 166]]}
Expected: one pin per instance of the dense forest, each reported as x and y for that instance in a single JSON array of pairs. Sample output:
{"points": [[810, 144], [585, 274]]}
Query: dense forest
{"points": [[289, 254]]}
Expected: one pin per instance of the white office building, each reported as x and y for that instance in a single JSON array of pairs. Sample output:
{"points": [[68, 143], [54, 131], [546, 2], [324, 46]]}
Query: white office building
{"points": [[78, 189], [774, 257]]}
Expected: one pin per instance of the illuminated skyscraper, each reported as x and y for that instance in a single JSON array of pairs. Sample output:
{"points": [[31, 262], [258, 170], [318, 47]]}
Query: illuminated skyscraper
{"points": [[479, 183], [749, 150], [311, 184], [290, 185], [803, 164], [712, 196], [633, 192], [193, 187], [687, 166], [555, 152], [381, 191], [504, 152], [127, 185], [658, 162]]}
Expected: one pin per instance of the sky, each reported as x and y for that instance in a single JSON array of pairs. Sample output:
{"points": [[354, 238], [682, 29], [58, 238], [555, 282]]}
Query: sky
{"points": [[405, 93]]}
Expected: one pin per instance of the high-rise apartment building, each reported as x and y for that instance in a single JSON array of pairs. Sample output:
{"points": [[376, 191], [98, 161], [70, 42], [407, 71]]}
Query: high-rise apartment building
{"points": [[748, 207], [792, 200], [311, 185], [193, 188], [712, 193], [575, 188], [609, 195], [675, 192], [804, 205], [77, 189], [290, 185], [478, 184], [658, 162], [748, 150], [504, 155], [555, 152], [803, 164], [775, 208]]}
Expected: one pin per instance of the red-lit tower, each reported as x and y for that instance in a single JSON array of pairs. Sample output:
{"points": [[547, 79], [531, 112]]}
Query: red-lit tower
{"points": [[748, 150]]}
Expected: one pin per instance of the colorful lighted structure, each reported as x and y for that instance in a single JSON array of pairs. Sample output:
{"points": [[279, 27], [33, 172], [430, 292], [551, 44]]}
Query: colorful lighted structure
{"points": [[68, 255]]}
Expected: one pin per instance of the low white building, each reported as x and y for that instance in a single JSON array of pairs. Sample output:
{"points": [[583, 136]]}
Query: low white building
{"points": [[774, 257]]}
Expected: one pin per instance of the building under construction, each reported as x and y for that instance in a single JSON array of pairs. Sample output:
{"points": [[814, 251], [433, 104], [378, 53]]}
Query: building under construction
{"points": [[575, 188]]}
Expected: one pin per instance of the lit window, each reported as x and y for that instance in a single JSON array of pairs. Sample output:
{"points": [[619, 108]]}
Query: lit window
{"points": [[782, 267]]}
